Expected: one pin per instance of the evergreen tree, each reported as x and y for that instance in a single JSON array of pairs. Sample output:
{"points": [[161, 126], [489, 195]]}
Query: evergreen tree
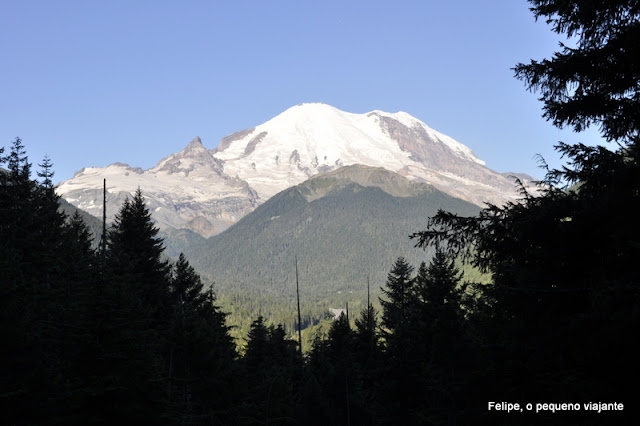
{"points": [[368, 357], [130, 318], [74, 291], [46, 173], [81, 243], [45, 290], [186, 285], [31, 230], [400, 392], [187, 298], [398, 292], [270, 362], [340, 336], [595, 82], [442, 350], [18, 162], [565, 286], [18, 191], [201, 353], [334, 384], [257, 350], [50, 222], [438, 284], [366, 338], [213, 362], [19, 321], [135, 251]]}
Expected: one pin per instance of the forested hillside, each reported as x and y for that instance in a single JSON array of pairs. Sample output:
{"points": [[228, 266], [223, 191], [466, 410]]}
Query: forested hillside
{"points": [[340, 237], [343, 228]]}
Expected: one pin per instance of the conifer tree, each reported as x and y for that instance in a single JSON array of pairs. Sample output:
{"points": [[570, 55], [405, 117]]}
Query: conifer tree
{"points": [[39, 304], [186, 285], [46, 172], [437, 284], [368, 357], [334, 384], [21, 292], [135, 251], [564, 280], [214, 362], [75, 281], [50, 222], [366, 334], [201, 353], [271, 366], [398, 293], [441, 350], [340, 336], [18, 191], [595, 82], [257, 350], [130, 317]]}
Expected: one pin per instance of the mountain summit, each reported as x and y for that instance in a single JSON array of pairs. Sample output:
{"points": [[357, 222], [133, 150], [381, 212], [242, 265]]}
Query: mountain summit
{"points": [[209, 190], [314, 138]]}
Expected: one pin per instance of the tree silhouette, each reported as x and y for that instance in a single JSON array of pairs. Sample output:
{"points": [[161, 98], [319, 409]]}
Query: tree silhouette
{"points": [[271, 363], [398, 294], [597, 81], [564, 282], [135, 251]]}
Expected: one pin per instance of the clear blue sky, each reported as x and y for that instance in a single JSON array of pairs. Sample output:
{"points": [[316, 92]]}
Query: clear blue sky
{"points": [[90, 83]]}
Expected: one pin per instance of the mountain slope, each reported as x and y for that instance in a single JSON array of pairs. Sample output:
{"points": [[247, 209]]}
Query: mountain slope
{"points": [[343, 226]]}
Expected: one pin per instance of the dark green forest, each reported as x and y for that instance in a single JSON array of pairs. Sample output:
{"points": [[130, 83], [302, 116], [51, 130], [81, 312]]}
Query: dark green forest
{"points": [[346, 235], [116, 333]]}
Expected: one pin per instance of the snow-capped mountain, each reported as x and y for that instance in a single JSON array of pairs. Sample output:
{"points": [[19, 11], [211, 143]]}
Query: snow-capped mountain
{"points": [[315, 138], [208, 190]]}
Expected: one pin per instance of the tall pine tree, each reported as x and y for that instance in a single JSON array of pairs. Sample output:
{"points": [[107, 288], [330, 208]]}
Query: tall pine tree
{"points": [[396, 305], [130, 319]]}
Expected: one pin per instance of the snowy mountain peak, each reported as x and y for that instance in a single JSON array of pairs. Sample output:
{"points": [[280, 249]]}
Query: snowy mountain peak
{"points": [[317, 114], [314, 138]]}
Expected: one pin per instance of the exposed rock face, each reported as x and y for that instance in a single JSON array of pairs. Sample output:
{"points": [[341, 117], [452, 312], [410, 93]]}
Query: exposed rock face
{"points": [[226, 141], [193, 157], [209, 190], [251, 146]]}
